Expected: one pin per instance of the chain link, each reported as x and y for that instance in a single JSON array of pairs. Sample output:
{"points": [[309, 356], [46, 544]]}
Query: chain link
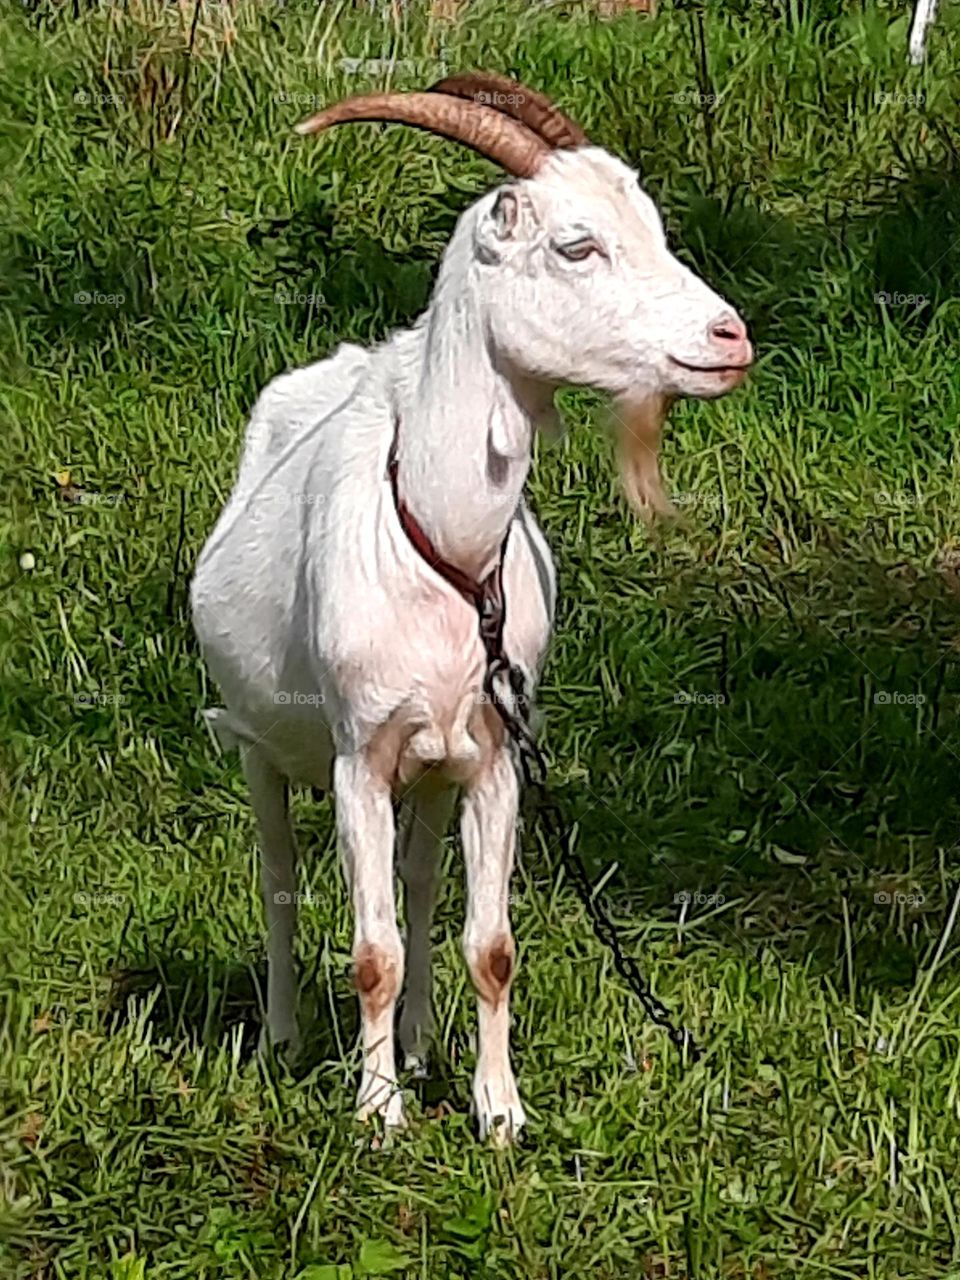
{"points": [[516, 720]]}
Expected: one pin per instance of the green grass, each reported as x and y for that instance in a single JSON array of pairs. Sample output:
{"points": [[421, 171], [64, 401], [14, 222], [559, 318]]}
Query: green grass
{"points": [[817, 566]]}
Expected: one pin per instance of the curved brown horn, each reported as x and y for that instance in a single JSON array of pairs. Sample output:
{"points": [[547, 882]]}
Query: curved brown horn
{"points": [[531, 108], [510, 144]]}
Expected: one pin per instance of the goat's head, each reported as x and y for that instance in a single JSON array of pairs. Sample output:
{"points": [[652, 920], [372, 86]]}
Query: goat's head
{"points": [[571, 264], [584, 290]]}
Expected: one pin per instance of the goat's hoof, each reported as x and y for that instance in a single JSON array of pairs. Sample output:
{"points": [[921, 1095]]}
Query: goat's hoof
{"points": [[385, 1102], [417, 1064], [284, 1047], [416, 1036], [499, 1112]]}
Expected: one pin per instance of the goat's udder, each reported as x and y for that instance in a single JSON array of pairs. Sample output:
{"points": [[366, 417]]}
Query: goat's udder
{"points": [[457, 751]]}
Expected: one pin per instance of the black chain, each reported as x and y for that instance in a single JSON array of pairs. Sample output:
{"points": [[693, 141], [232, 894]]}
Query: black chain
{"points": [[516, 720]]}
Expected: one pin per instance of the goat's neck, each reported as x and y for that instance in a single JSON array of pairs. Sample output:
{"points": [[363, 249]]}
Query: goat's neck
{"points": [[465, 435]]}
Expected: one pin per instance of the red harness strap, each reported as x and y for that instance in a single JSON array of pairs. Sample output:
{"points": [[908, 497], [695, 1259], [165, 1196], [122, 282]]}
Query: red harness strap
{"points": [[486, 596]]}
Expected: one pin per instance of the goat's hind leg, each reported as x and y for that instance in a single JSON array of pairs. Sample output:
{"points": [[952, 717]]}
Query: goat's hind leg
{"points": [[268, 795], [425, 817]]}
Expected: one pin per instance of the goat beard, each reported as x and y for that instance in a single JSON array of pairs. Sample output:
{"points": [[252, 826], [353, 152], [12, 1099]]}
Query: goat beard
{"points": [[639, 423]]}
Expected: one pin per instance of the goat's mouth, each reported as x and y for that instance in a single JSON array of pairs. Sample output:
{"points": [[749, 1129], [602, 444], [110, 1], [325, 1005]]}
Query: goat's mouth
{"points": [[707, 381], [708, 369]]}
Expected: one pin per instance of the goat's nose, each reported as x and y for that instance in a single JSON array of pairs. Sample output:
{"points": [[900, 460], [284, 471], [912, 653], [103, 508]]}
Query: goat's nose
{"points": [[727, 334], [727, 329]]}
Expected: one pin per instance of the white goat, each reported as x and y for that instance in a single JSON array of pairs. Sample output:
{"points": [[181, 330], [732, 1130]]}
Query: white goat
{"points": [[325, 599]]}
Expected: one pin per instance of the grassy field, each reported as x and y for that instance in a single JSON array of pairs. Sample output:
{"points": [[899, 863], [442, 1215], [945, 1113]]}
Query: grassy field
{"points": [[754, 708]]}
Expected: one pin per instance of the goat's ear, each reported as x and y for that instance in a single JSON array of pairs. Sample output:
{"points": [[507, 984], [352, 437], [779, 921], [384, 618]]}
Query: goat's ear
{"points": [[639, 424], [498, 225], [505, 214]]}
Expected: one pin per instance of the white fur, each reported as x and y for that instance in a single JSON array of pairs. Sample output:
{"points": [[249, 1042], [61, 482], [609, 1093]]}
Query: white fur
{"points": [[344, 659], [923, 16]]}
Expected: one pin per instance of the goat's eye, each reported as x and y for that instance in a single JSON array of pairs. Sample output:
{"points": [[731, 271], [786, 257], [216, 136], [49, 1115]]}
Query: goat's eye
{"points": [[577, 250]]}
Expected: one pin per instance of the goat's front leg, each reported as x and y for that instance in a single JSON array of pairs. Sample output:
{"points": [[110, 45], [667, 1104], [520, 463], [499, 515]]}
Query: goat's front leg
{"points": [[488, 825], [365, 830]]}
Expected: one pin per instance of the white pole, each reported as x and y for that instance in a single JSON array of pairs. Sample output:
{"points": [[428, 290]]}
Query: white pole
{"points": [[923, 16]]}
